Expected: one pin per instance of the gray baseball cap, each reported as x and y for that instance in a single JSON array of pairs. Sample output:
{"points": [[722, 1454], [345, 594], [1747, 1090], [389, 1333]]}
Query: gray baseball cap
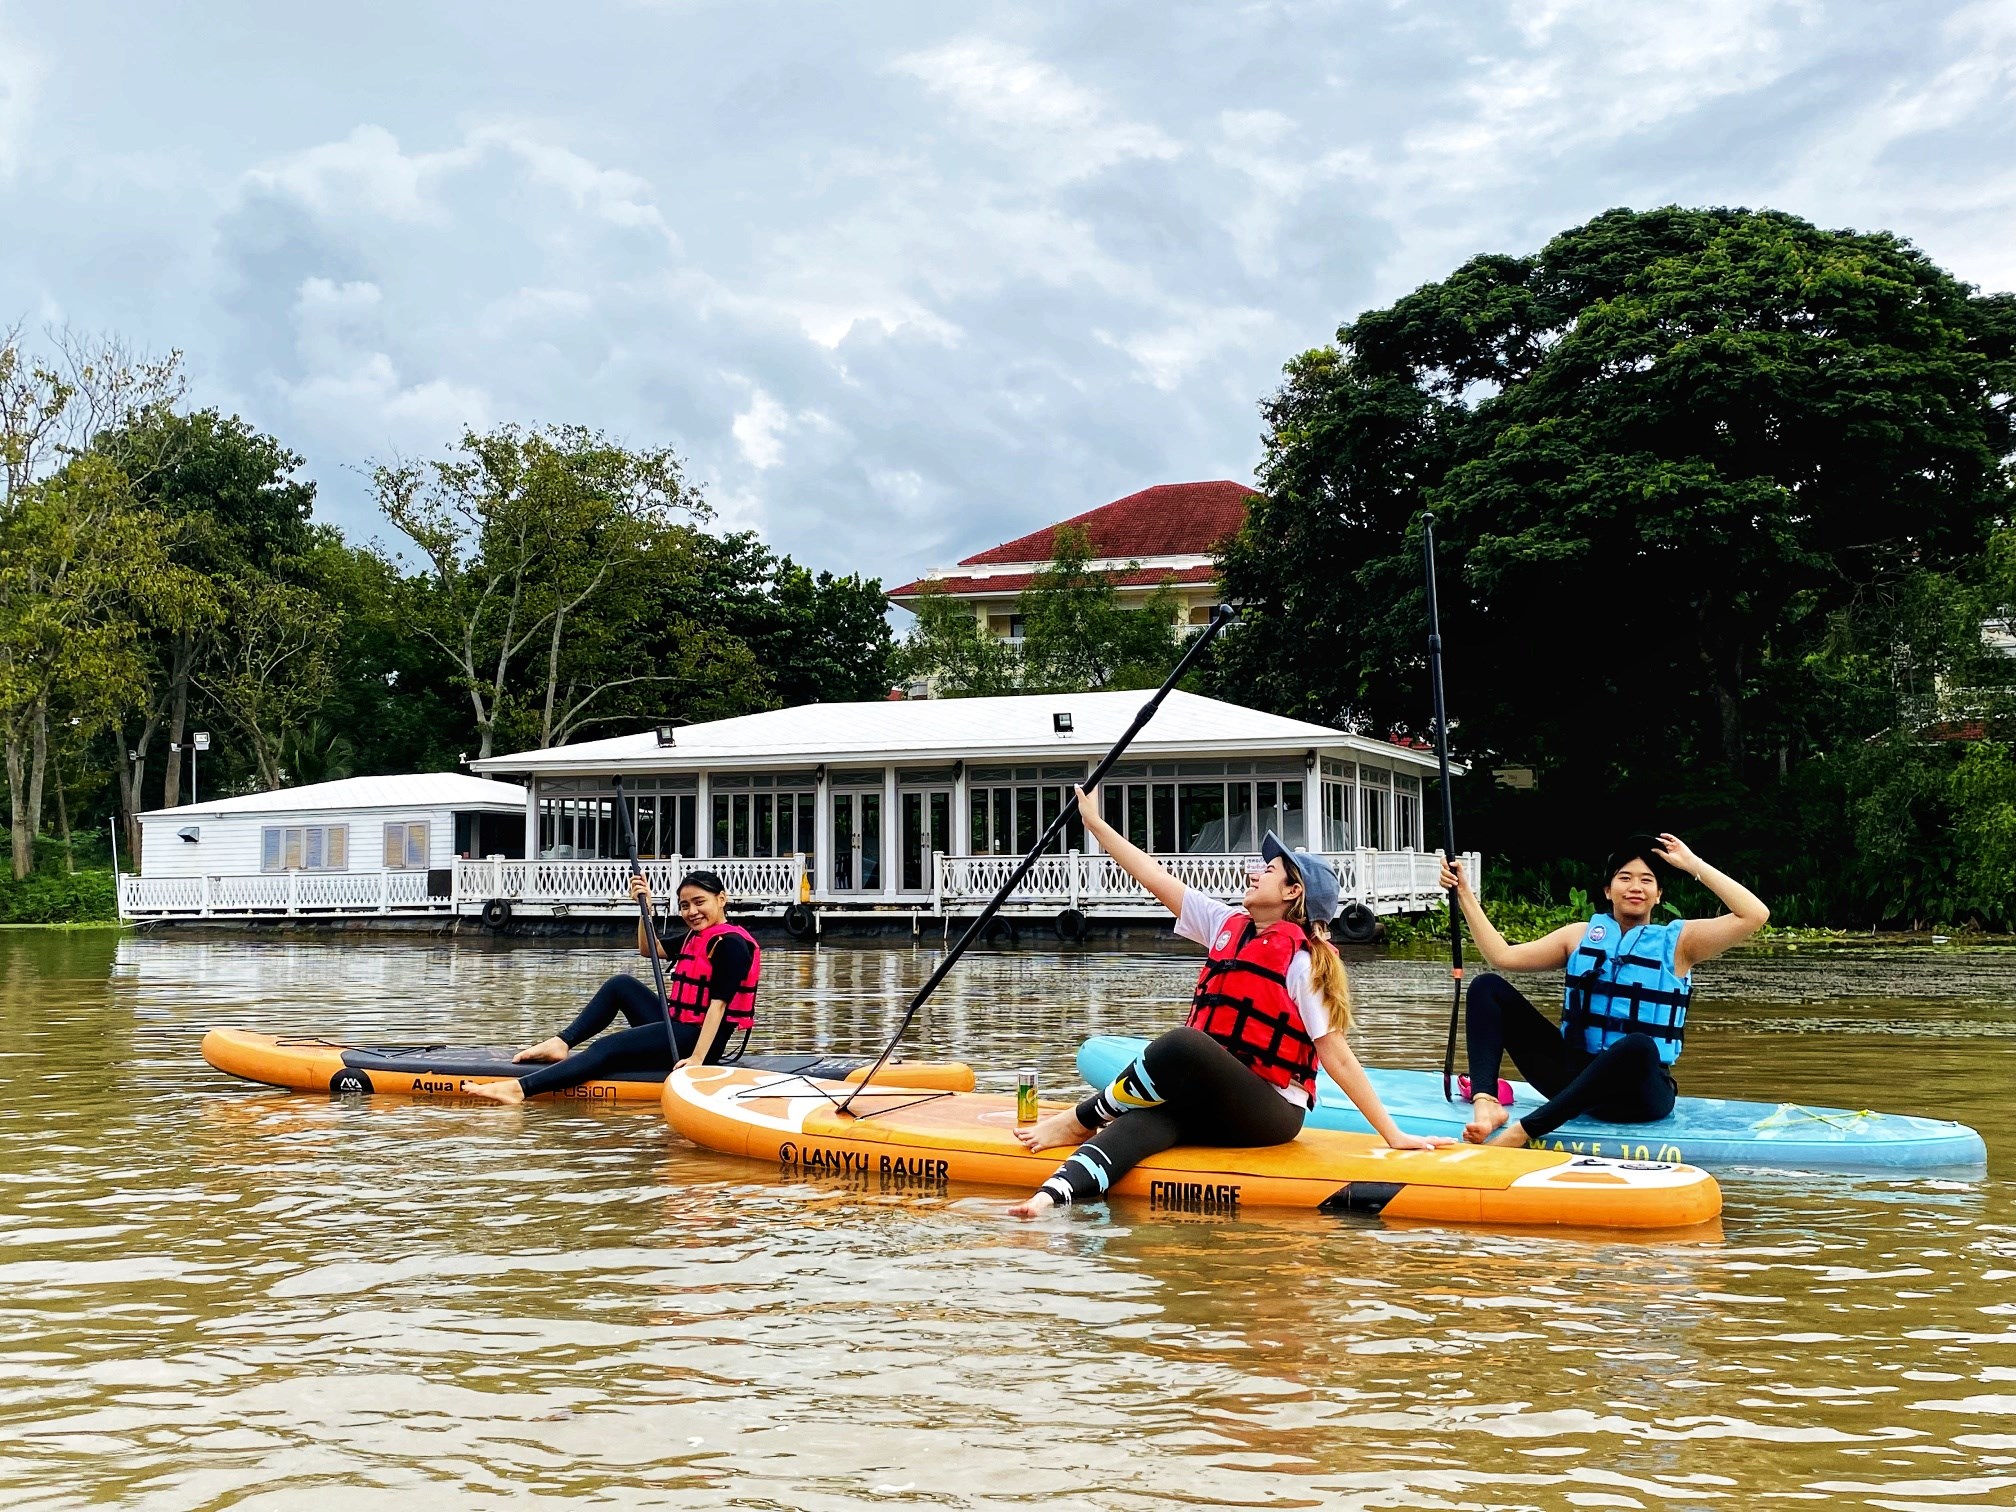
{"points": [[1319, 878]]}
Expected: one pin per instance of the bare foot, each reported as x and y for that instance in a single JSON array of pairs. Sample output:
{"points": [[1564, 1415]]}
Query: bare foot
{"points": [[1490, 1118], [1513, 1134], [1055, 1129], [507, 1091], [554, 1049], [1036, 1206]]}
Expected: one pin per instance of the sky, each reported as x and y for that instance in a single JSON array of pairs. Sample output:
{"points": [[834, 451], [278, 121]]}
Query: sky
{"points": [[900, 281]]}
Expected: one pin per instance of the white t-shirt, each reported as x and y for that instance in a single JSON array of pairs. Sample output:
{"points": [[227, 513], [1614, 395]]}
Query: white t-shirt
{"points": [[1203, 916]]}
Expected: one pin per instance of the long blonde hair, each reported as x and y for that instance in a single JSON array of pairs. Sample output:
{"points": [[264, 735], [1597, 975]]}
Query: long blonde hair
{"points": [[1326, 966]]}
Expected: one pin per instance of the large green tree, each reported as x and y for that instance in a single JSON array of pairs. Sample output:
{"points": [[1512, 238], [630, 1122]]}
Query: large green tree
{"points": [[81, 561], [523, 533], [1671, 453], [237, 518]]}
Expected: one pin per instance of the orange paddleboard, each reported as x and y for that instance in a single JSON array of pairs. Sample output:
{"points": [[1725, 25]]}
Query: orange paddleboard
{"points": [[312, 1063], [910, 1138]]}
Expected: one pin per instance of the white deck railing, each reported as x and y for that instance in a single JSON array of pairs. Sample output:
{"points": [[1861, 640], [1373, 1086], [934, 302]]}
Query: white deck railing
{"points": [[768, 879], [279, 894], [1387, 881], [550, 886]]}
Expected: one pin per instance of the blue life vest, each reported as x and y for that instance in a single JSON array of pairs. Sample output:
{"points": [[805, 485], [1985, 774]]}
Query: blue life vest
{"points": [[1622, 982]]}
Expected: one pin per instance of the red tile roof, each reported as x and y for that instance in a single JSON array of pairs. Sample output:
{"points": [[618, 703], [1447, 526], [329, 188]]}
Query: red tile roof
{"points": [[1015, 582], [1170, 519]]}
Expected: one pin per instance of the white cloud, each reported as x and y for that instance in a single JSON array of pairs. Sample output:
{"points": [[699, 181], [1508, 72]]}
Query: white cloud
{"points": [[1170, 355], [366, 173], [759, 431], [1034, 104], [944, 287], [615, 195], [351, 385]]}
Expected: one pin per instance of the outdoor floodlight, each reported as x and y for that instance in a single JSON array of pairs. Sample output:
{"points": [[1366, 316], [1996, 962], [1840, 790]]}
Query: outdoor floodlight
{"points": [[1061, 723]]}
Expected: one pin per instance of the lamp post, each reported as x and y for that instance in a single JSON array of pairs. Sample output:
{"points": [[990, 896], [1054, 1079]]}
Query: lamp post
{"points": [[200, 743]]}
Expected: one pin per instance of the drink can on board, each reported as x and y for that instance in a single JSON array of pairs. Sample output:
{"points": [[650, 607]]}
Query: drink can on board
{"points": [[1025, 1097]]}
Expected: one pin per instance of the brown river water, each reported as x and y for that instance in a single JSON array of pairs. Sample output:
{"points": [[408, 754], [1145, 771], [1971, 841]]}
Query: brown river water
{"points": [[214, 1296]]}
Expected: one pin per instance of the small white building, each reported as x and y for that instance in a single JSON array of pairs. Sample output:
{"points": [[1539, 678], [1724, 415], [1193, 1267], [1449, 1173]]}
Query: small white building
{"points": [[361, 845]]}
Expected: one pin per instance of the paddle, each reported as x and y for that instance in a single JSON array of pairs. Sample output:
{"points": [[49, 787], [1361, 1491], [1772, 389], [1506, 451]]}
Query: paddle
{"points": [[628, 835], [1448, 804], [1220, 618]]}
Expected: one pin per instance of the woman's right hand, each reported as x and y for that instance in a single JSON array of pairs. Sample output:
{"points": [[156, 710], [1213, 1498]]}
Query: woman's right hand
{"points": [[640, 889], [1452, 876], [1088, 804]]}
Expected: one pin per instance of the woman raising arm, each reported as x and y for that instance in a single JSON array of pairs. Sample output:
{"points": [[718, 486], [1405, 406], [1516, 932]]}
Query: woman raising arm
{"points": [[1271, 1004]]}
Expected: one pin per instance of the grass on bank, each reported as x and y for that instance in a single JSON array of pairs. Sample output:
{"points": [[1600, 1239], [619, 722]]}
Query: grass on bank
{"points": [[58, 897]]}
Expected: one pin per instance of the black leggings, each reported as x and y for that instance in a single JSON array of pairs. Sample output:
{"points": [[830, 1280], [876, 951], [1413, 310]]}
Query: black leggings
{"points": [[644, 1046], [1184, 1088], [1622, 1083]]}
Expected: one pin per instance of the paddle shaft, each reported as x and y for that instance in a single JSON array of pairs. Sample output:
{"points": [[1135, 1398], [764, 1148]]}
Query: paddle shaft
{"points": [[1448, 803], [629, 837], [1220, 618]]}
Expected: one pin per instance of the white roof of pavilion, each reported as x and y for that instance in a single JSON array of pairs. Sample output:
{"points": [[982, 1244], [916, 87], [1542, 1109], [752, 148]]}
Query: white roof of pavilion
{"points": [[1014, 728], [417, 790]]}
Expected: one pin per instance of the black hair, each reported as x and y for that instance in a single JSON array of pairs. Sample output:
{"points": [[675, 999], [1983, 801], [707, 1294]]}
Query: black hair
{"points": [[1636, 848], [706, 881]]}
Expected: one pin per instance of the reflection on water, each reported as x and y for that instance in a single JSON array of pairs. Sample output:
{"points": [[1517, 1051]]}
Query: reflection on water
{"points": [[220, 1297]]}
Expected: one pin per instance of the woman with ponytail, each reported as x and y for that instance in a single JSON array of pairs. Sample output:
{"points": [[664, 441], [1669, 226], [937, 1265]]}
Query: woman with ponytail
{"points": [[1271, 1005], [710, 991]]}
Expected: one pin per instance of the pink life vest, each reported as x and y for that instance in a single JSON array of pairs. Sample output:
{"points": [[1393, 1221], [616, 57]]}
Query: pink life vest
{"points": [[689, 985]]}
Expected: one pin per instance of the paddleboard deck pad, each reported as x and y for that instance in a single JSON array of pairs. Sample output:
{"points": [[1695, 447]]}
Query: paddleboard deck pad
{"points": [[1704, 1131], [895, 1140], [312, 1063]]}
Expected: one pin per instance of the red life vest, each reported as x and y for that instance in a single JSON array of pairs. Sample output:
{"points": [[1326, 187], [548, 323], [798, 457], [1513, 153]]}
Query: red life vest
{"points": [[1242, 1002], [689, 985]]}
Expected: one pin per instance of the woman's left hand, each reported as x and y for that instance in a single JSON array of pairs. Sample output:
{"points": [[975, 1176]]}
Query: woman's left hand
{"points": [[681, 1063], [1676, 854], [1419, 1142]]}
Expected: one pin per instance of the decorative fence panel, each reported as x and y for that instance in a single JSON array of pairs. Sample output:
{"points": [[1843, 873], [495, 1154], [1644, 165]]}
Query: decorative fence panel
{"points": [[267, 892], [139, 895], [408, 889], [350, 891], [767, 879], [1395, 879]]}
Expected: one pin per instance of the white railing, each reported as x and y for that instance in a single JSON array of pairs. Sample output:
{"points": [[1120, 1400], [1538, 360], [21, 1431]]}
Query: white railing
{"points": [[771, 879], [272, 892], [160, 895], [768, 880], [1387, 881], [269, 893]]}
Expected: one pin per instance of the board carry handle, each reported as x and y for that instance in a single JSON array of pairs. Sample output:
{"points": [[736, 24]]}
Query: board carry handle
{"points": [[1220, 618]]}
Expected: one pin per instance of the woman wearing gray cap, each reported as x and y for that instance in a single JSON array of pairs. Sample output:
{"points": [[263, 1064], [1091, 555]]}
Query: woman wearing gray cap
{"points": [[1271, 1005]]}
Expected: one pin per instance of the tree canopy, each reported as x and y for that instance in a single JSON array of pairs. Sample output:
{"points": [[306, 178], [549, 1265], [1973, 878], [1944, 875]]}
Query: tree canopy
{"points": [[161, 571], [1681, 460]]}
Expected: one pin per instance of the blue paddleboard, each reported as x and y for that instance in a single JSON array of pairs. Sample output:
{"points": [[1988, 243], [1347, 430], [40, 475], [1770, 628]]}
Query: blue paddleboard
{"points": [[1703, 1131]]}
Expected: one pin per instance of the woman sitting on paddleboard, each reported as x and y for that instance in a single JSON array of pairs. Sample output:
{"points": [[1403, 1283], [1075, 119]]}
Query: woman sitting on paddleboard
{"points": [[1624, 1006], [1271, 1004], [711, 987]]}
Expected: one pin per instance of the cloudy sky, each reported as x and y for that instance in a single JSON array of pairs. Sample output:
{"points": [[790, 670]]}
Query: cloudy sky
{"points": [[902, 280]]}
